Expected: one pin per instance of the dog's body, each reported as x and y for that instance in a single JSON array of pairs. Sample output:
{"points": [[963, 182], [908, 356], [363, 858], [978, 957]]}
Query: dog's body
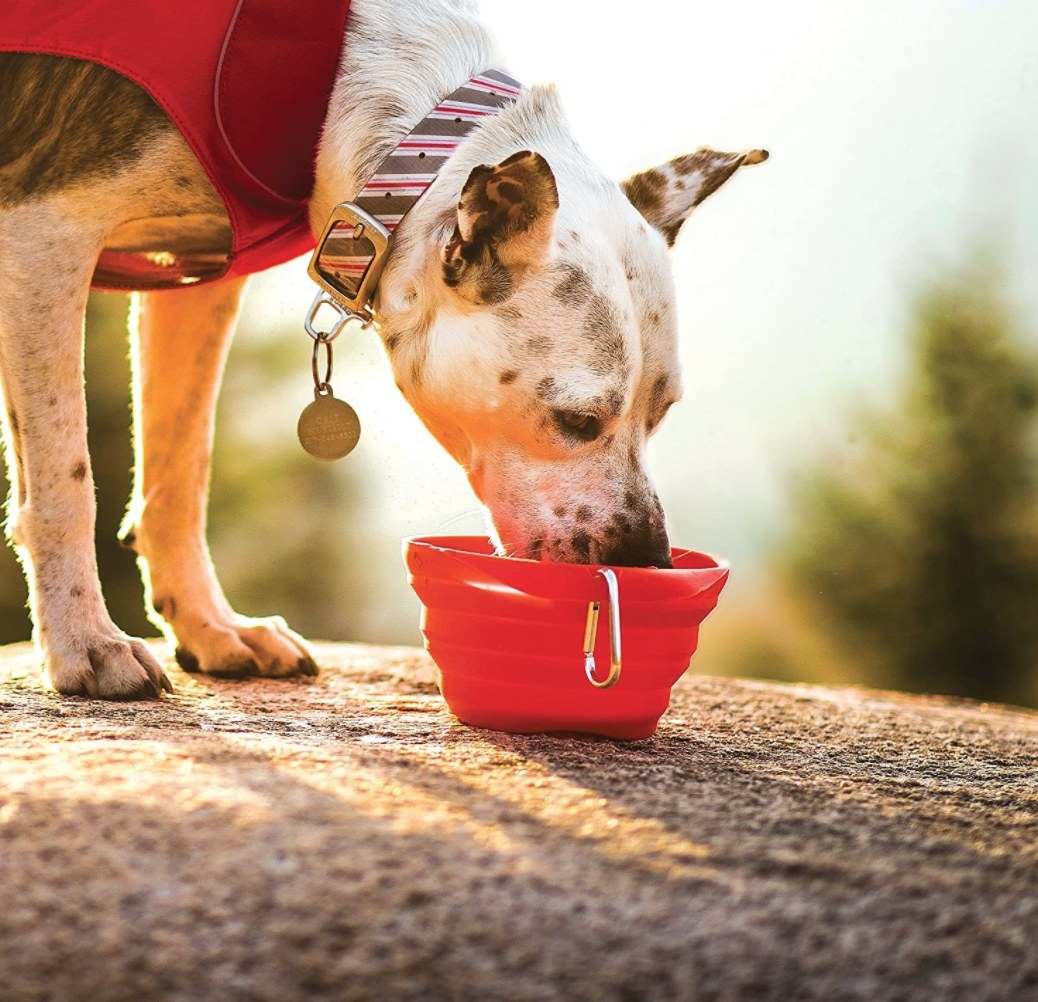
{"points": [[526, 308]]}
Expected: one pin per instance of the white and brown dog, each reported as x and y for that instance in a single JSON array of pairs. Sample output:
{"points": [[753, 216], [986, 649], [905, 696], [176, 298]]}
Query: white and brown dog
{"points": [[526, 306]]}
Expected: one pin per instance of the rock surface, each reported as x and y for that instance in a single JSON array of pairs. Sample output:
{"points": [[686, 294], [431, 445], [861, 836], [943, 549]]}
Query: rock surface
{"points": [[346, 838]]}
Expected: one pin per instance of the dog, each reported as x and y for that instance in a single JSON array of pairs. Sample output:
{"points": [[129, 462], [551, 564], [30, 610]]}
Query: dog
{"points": [[526, 306]]}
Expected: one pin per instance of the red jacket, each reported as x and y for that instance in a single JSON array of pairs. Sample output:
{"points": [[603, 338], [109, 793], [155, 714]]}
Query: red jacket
{"points": [[247, 83]]}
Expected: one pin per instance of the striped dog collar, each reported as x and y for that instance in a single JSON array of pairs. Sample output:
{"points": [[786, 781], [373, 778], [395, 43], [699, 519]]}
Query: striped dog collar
{"points": [[350, 255]]}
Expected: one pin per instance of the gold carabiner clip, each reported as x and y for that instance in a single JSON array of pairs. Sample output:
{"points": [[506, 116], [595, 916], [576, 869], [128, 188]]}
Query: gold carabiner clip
{"points": [[591, 630]]}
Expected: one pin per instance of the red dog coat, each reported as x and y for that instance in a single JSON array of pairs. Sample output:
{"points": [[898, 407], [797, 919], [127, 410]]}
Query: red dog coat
{"points": [[246, 82]]}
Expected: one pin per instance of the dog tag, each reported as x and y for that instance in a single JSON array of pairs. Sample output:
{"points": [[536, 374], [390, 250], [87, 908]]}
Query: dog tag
{"points": [[328, 428]]}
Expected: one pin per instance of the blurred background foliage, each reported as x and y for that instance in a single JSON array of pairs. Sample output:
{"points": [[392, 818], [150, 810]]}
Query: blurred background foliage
{"points": [[908, 559], [922, 553], [910, 555]]}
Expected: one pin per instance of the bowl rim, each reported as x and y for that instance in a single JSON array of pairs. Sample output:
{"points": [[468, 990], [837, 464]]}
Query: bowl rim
{"points": [[448, 543]]}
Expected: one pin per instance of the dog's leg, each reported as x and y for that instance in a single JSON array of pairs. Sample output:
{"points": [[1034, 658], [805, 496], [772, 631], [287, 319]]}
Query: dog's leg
{"points": [[46, 261], [181, 339]]}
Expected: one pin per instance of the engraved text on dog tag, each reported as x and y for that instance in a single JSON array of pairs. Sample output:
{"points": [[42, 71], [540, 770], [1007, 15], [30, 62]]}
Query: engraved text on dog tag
{"points": [[328, 428]]}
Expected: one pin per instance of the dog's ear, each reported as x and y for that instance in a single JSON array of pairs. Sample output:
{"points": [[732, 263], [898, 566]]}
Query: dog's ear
{"points": [[666, 195], [506, 222]]}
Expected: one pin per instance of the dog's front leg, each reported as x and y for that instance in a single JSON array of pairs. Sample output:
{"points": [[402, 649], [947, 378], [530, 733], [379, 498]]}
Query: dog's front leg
{"points": [[180, 342], [46, 261]]}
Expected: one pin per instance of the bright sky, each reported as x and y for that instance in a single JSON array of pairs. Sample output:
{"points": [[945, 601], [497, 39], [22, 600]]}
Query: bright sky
{"points": [[901, 131]]}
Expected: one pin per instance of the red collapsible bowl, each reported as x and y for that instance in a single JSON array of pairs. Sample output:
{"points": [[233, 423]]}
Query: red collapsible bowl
{"points": [[509, 636]]}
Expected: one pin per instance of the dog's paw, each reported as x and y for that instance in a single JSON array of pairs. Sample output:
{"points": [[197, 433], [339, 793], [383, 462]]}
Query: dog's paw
{"points": [[105, 667], [245, 648]]}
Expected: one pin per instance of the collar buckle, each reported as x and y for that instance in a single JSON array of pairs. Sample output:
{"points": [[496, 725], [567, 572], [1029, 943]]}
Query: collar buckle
{"points": [[348, 261]]}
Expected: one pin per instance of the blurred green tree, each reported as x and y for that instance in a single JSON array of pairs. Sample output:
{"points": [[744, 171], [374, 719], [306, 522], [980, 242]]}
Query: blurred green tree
{"points": [[276, 515], [919, 554]]}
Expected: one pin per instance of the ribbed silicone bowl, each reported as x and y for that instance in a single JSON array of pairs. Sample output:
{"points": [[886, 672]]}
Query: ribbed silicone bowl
{"points": [[508, 635]]}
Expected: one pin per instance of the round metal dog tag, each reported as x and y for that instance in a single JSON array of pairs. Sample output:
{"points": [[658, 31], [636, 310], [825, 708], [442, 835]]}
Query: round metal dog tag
{"points": [[328, 428]]}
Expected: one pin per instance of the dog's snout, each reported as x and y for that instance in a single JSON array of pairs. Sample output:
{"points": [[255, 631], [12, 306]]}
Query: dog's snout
{"points": [[639, 537], [640, 552]]}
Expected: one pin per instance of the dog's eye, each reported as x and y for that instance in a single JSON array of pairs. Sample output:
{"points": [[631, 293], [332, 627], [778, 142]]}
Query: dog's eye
{"points": [[583, 426]]}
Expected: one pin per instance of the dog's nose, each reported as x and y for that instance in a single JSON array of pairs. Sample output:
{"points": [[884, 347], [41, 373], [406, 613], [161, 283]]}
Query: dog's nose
{"points": [[646, 545], [637, 535], [639, 556]]}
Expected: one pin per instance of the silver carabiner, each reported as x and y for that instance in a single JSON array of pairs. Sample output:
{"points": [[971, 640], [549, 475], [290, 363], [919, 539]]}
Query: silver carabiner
{"points": [[591, 630], [342, 317]]}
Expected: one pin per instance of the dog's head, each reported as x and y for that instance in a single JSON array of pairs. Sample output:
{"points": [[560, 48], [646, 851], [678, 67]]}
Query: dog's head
{"points": [[532, 328]]}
